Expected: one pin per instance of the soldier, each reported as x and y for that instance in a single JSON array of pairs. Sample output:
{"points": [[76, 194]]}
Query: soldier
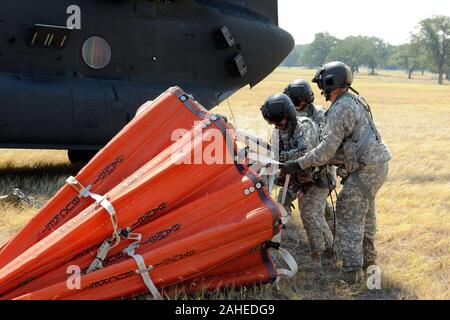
{"points": [[351, 141], [302, 96], [296, 137]]}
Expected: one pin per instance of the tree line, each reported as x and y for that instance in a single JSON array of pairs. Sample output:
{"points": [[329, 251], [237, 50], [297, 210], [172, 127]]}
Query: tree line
{"points": [[428, 50]]}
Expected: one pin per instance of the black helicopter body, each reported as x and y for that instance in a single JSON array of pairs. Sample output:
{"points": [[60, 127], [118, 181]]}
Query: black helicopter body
{"points": [[74, 72]]}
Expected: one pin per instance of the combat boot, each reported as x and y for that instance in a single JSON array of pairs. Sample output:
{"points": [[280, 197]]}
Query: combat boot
{"points": [[351, 277]]}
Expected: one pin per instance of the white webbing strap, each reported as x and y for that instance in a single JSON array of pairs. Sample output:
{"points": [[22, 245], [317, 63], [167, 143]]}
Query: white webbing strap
{"points": [[292, 264], [143, 270], [285, 217], [106, 246], [254, 143], [99, 200], [102, 252], [263, 159], [103, 201], [285, 189]]}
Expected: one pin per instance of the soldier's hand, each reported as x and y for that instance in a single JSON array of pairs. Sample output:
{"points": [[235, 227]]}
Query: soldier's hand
{"points": [[291, 167], [284, 156]]}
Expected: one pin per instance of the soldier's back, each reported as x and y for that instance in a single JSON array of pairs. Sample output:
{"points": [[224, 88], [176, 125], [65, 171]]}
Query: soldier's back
{"points": [[315, 113], [375, 150]]}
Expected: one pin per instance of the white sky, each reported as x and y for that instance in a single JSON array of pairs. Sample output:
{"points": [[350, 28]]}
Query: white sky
{"points": [[390, 20]]}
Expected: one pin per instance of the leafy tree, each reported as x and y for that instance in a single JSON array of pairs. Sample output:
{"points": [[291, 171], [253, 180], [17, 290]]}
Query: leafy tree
{"points": [[350, 51], [410, 57], [434, 35], [375, 53], [400, 57], [391, 61], [419, 56], [318, 50]]}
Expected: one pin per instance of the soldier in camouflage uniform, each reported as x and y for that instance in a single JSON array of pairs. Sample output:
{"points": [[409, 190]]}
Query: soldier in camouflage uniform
{"points": [[296, 137], [302, 96], [351, 141]]}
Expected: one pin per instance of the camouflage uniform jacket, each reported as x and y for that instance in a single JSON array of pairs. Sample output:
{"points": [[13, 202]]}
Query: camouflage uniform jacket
{"points": [[298, 141], [345, 118], [315, 113]]}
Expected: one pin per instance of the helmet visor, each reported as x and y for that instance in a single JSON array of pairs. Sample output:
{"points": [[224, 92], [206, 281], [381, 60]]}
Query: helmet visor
{"points": [[318, 78], [273, 112], [297, 91]]}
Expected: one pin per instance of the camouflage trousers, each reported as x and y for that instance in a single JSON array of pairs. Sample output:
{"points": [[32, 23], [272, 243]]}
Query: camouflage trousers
{"points": [[312, 204], [356, 216]]}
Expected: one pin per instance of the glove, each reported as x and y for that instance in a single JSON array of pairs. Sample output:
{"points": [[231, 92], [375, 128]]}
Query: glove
{"points": [[284, 156], [288, 155], [291, 167]]}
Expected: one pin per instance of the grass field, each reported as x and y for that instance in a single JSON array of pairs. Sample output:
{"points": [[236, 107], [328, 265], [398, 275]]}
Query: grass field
{"points": [[413, 206]]}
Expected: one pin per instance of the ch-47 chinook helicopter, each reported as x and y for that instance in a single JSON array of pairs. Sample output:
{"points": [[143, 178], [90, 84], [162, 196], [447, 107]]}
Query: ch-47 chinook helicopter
{"points": [[74, 72]]}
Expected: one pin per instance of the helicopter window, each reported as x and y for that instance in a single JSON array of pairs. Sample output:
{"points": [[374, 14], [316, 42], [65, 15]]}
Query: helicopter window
{"points": [[96, 52]]}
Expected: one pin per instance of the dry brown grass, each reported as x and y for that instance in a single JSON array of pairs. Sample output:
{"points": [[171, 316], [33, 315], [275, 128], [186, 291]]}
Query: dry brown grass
{"points": [[413, 206]]}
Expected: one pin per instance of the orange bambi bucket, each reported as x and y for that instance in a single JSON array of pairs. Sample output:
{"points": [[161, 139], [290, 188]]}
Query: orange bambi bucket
{"points": [[174, 224]]}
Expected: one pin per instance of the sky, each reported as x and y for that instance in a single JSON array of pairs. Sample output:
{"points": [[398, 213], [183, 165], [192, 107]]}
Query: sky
{"points": [[390, 20]]}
